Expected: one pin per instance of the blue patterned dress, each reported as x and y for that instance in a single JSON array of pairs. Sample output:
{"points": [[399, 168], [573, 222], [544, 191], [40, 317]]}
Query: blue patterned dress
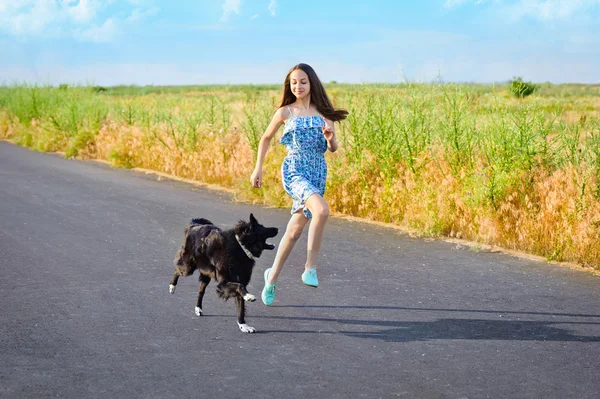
{"points": [[304, 169]]}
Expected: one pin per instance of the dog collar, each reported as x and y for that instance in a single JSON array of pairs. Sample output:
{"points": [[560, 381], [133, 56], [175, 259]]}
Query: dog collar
{"points": [[248, 253]]}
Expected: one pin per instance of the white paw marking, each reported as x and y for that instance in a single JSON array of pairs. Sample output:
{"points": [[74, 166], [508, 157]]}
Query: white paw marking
{"points": [[171, 289], [246, 328], [198, 311], [249, 298]]}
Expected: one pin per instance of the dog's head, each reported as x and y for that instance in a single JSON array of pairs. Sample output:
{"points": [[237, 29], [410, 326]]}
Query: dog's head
{"points": [[254, 235]]}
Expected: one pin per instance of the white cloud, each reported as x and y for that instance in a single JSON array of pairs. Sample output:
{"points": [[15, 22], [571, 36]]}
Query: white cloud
{"points": [[140, 13], [254, 16], [550, 10], [230, 7], [543, 10], [272, 5], [454, 3], [10, 5], [82, 12], [99, 34], [38, 16], [82, 19]]}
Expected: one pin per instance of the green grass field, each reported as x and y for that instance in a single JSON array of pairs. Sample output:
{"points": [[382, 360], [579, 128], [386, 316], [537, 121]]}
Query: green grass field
{"points": [[465, 161]]}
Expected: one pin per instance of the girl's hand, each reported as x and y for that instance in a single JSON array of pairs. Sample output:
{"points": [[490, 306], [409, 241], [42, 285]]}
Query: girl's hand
{"points": [[328, 132], [256, 178]]}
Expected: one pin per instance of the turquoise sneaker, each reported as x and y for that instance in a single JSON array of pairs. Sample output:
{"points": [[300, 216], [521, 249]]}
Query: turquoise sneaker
{"points": [[309, 277], [268, 293]]}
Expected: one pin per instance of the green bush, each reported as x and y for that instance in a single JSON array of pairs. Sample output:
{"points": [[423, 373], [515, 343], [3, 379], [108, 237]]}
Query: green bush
{"points": [[521, 89]]}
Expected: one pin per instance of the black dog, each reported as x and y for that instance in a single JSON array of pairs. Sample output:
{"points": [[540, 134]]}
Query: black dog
{"points": [[226, 256]]}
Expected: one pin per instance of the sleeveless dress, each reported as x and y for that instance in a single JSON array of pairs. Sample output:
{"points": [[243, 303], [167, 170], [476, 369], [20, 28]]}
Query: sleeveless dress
{"points": [[304, 170]]}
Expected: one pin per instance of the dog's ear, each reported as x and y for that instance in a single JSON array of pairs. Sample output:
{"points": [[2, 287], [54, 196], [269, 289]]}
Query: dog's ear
{"points": [[253, 219]]}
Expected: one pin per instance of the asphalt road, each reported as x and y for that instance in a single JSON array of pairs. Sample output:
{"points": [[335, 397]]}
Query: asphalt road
{"points": [[86, 256]]}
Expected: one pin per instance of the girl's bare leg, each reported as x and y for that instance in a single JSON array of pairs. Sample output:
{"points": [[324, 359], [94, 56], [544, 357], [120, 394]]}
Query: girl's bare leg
{"points": [[320, 213], [290, 237]]}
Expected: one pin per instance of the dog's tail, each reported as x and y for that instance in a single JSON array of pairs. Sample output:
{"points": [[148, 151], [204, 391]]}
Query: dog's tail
{"points": [[200, 221]]}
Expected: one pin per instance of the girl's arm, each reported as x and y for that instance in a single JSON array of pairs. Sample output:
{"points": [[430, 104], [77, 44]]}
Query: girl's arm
{"points": [[263, 145], [329, 133]]}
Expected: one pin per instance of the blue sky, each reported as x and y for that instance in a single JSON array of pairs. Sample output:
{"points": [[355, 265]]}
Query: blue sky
{"points": [[256, 41]]}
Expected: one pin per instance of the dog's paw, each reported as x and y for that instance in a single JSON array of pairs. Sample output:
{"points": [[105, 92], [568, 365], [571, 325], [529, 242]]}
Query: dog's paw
{"points": [[249, 298], [246, 328], [198, 311], [171, 289]]}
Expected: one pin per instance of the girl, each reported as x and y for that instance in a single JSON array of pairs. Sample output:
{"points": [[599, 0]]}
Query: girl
{"points": [[308, 132]]}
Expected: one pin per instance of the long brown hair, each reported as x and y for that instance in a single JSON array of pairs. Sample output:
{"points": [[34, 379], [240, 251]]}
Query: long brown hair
{"points": [[318, 96]]}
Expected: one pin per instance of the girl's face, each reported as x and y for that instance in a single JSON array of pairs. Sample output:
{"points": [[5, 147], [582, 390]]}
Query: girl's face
{"points": [[299, 83]]}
